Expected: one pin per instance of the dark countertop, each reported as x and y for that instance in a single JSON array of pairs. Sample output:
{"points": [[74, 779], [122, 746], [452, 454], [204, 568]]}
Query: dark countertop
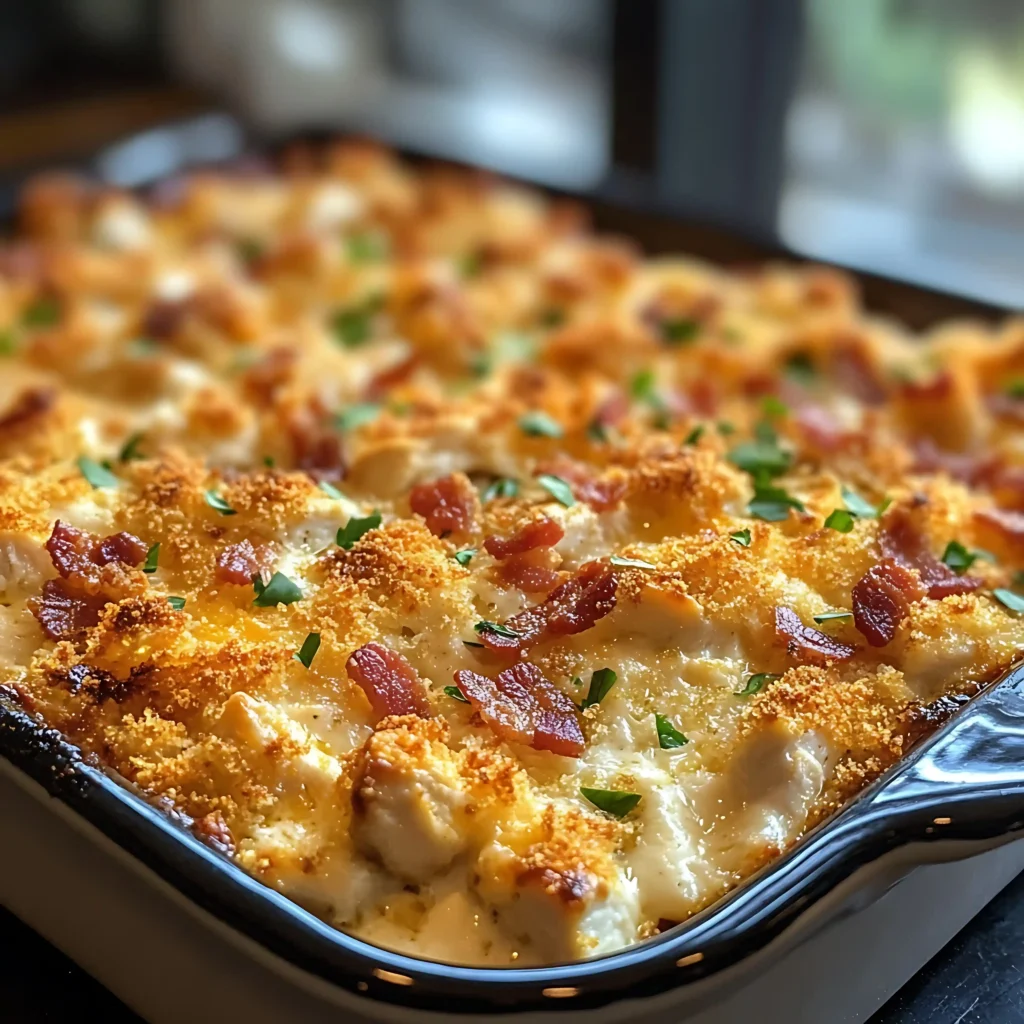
{"points": [[978, 978]]}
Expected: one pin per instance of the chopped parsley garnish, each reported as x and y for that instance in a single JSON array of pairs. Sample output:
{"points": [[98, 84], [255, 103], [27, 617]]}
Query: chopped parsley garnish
{"points": [[679, 330], [539, 424], [367, 247], [469, 265], [669, 737], [96, 473], [130, 449], [1015, 389], [597, 431], [152, 558], [772, 504], [600, 683], [863, 509], [1018, 578], [741, 537], [43, 312], [471, 643], [465, 556], [630, 563], [503, 487], [959, 559], [553, 317], [357, 415], [841, 520], [756, 683], [177, 603], [800, 368], [456, 694], [694, 435], [218, 504], [307, 652], [557, 488], [280, 590], [771, 405], [725, 428], [269, 461], [485, 626], [330, 490], [249, 249], [1009, 600], [761, 457], [832, 616], [612, 801], [8, 346], [353, 326], [641, 387], [355, 528]]}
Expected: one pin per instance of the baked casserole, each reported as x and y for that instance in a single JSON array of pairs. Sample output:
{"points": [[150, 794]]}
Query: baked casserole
{"points": [[498, 594]]}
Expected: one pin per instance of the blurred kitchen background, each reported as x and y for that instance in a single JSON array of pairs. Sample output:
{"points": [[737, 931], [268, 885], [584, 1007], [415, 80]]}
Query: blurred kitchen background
{"points": [[886, 135]]}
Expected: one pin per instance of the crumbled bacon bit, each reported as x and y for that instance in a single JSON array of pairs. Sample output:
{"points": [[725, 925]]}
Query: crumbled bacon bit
{"points": [[31, 404], [882, 599], [820, 428], [63, 612], [613, 409], [522, 706], [902, 541], [382, 383], [75, 552], [970, 469], [389, 682], [239, 563], [1008, 523], [602, 494], [165, 317], [447, 504], [317, 448], [263, 380], [543, 532], [807, 644], [855, 374], [533, 572], [571, 608]]}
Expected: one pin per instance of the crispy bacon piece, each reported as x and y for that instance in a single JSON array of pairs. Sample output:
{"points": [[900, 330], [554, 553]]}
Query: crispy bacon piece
{"points": [[601, 494], [165, 317], [521, 706], [970, 469], [263, 380], [903, 542], [882, 599], [540, 533], [571, 608], [389, 682], [31, 404], [533, 572], [1007, 523], [238, 563], [613, 409], [75, 552], [65, 612], [807, 644], [820, 428], [855, 374], [447, 504], [385, 380], [317, 448]]}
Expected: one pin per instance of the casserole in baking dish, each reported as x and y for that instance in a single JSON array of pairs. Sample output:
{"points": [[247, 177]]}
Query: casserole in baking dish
{"points": [[497, 595]]}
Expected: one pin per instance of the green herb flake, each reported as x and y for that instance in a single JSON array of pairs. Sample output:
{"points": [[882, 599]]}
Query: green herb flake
{"points": [[669, 737], [725, 428], [800, 368], [130, 449], [353, 326], [760, 457], [218, 504], [356, 527], [269, 461], [471, 643], [8, 344], [557, 488], [1015, 389], [642, 386], [177, 603], [612, 801], [771, 405], [355, 416], [43, 312], [485, 626], [841, 520], [630, 563], [860, 508], [152, 558], [958, 558], [539, 424], [553, 317], [756, 683], [832, 616], [772, 504], [600, 683], [1009, 600], [465, 556], [679, 330], [503, 487], [576, 681], [694, 435], [330, 490], [597, 432], [307, 652], [741, 537], [96, 473], [367, 247], [456, 694], [280, 590], [469, 265]]}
